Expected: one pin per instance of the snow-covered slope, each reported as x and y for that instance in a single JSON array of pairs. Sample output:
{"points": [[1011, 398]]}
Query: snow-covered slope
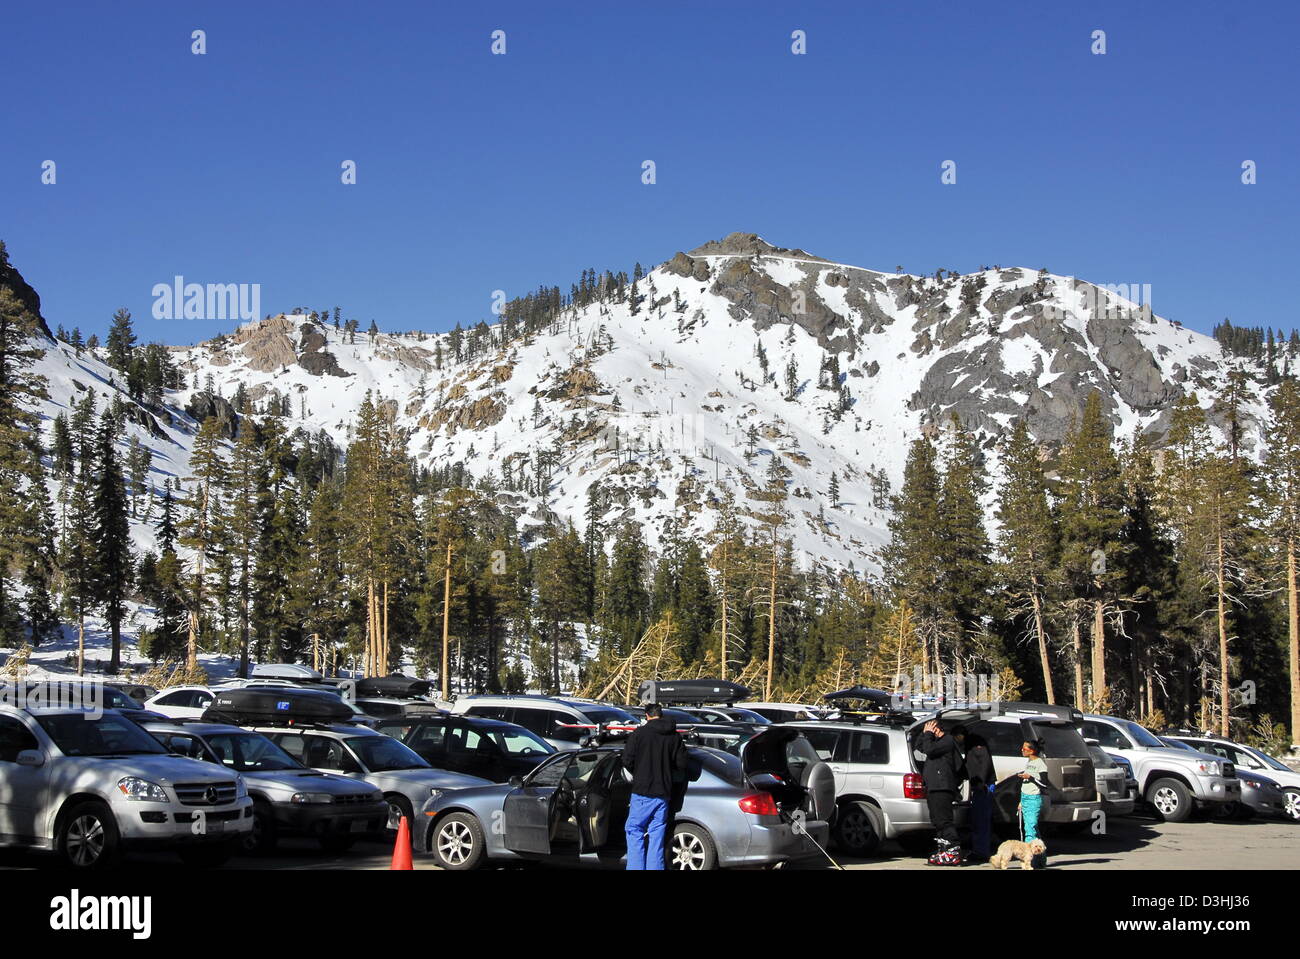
{"points": [[668, 409]]}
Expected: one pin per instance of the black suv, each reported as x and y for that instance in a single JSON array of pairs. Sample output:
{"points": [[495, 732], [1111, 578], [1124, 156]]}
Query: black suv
{"points": [[488, 748]]}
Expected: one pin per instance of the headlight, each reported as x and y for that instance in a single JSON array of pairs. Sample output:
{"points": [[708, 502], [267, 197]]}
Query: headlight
{"points": [[312, 798], [434, 793], [142, 789], [241, 790], [1209, 768]]}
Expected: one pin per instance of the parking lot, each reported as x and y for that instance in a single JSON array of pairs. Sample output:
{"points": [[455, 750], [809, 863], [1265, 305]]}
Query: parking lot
{"points": [[1133, 842]]}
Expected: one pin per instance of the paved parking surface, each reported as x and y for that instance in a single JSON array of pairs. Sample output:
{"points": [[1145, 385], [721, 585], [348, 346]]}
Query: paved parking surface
{"points": [[1135, 842]]}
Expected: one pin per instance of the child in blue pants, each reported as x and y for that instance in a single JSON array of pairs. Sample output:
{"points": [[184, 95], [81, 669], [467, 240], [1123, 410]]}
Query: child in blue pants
{"points": [[1031, 796]]}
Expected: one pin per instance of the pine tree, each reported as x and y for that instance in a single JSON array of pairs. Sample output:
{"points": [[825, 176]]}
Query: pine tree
{"points": [[121, 341], [113, 563], [200, 527], [77, 556], [913, 558], [1028, 539], [966, 579], [246, 483], [1092, 522], [1281, 485]]}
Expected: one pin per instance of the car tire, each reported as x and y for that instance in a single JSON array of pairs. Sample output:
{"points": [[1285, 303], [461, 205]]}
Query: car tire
{"points": [[87, 836], [398, 807], [208, 855], [859, 829], [457, 842], [264, 835], [691, 848], [1170, 799], [1291, 807]]}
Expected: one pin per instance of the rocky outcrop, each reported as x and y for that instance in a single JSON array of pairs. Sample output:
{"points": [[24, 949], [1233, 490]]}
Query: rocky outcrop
{"points": [[22, 291], [204, 406], [266, 344]]}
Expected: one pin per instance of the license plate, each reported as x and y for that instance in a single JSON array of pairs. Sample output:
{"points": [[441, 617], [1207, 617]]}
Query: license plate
{"points": [[216, 826]]}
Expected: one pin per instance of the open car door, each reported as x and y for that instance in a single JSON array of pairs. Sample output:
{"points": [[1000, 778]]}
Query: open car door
{"points": [[603, 805], [529, 809]]}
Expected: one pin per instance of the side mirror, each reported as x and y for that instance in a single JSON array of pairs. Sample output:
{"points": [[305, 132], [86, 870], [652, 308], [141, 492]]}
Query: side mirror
{"points": [[515, 781], [30, 757]]}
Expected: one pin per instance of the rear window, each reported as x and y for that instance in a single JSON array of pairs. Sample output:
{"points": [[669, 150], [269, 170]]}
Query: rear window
{"points": [[1004, 739], [723, 765], [823, 740], [1060, 742]]}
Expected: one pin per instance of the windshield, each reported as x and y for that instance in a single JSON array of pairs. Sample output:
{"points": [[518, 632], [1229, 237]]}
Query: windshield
{"points": [[1269, 761], [250, 753], [1140, 733], [748, 716], [78, 734], [382, 753], [518, 742]]}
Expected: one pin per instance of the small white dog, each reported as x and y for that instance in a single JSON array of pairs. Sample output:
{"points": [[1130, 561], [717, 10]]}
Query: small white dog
{"points": [[1014, 849]]}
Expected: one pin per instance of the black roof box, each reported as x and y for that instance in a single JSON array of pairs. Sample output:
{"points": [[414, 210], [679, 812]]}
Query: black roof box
{"points": [[276, 706], [396, 686], [876, 697], [673, 691]]}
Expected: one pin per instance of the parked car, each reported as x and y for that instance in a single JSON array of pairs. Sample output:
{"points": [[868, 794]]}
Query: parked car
{"points": [[1171, 781], [879, 792], [1249, 758], [726, 714], [88, 785], [1260, 796], [391, 708], [180, 702], [784, 712], [487, 748], [288, 798], [766, 806], [363, 754], [562, 722]]}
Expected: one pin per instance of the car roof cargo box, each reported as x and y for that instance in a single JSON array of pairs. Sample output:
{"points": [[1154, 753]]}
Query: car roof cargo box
{"points": [[293, 671], [875, 697], [1070, 714], [673, 691], [395, 686], [277, 707]]}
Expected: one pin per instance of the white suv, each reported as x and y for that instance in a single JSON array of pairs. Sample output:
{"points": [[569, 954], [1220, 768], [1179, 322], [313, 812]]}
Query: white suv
{"points": [[87, 783]]}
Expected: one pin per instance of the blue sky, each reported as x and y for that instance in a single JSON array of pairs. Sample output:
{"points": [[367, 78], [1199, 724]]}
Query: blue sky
{"points": [[478, 172]]}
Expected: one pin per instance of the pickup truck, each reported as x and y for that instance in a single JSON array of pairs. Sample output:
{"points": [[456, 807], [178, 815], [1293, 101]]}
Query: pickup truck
{"points": [[1173, 782]]}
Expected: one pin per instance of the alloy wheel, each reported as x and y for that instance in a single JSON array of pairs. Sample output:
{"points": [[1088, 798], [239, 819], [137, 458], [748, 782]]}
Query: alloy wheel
{"points": [[688, 851], [1292, 807], [1166, 801], [455, 843], [86, 840]]}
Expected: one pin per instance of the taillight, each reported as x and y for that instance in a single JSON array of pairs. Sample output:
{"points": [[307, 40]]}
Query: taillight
{"points": [[760, 804], [913, 786]]}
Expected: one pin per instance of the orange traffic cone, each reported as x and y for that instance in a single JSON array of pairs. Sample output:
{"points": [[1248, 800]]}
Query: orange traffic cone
{"points": [[402, 849]]}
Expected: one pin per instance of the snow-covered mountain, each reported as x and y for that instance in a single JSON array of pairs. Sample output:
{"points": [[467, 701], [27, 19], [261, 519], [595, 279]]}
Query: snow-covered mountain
{"points": [[668, 408]]}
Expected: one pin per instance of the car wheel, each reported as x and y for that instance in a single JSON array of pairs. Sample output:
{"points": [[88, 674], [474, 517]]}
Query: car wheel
{"points": [[1291, 804], [399, 807], [859, 829], [263, 837], [1170, 800], [458, 842], [209, 855], [691, 848], [88, 836]]}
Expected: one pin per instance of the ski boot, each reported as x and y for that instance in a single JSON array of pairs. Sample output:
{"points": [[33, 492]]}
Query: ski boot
{"points": [[945, 854]]}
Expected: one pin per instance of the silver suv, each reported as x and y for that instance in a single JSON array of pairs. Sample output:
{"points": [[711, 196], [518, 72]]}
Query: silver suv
{"points": [[1173, 782], [88, 784]]}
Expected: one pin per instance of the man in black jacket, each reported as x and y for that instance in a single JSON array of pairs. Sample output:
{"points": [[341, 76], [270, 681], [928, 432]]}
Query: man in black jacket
{"points": [[980, 773], [652, 754], [942, 773]]}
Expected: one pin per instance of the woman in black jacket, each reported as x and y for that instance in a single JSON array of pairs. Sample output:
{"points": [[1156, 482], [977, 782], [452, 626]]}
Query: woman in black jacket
{"points": [[942, 772], [982, 778]]}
